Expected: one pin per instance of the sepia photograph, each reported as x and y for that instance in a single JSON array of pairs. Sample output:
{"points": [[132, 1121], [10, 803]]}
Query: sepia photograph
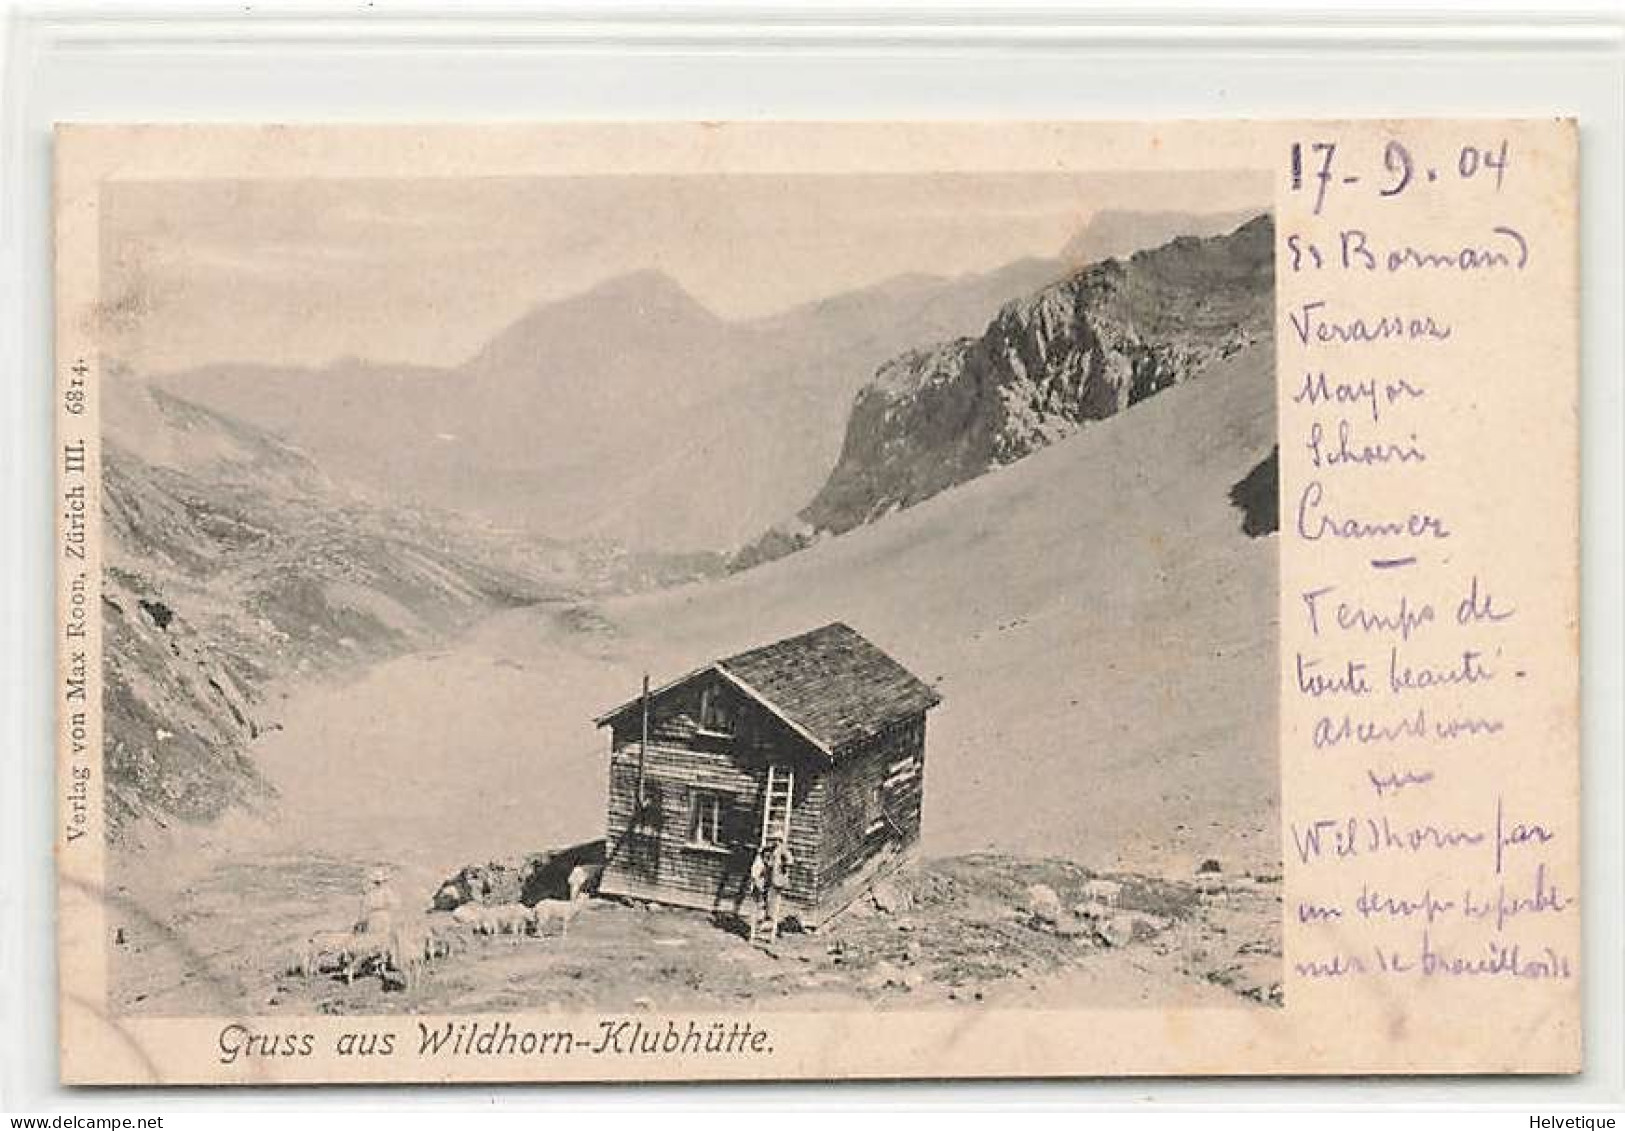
{"points": [[714, 591]]}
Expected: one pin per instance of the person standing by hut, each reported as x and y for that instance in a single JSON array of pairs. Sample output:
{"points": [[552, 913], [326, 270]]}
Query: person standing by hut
{"points": [[378, 904], [778, 878], [758, 888]]}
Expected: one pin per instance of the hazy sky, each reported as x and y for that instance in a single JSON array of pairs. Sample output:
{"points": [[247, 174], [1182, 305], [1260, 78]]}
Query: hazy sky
{"points": [[302, 272]]}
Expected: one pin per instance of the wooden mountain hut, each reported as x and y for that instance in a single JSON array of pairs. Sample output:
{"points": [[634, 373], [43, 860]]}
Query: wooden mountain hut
{"points": [[816, 742]]}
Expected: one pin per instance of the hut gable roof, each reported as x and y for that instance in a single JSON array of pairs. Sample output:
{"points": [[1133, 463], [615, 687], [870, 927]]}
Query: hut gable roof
{"points": [[830, 685]]}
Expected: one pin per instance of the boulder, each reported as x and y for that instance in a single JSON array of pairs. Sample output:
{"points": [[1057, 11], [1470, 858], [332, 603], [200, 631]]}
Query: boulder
{"points": [[489, 884], [1043, 904], [555, 874], [450, 896], [888, 898], [1147, 925], [1118, 931]]}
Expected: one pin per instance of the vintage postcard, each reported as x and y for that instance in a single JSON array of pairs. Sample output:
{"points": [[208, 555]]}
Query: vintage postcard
{"points": [[817, 601]]}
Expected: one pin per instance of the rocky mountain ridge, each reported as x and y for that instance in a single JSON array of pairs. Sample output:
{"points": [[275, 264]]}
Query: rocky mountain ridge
{"points": [[1117, 233], [1081, 350]]}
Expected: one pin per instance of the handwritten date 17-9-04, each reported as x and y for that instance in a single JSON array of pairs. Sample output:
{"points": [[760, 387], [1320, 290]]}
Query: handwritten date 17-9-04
{"points": [[1323, 167]]}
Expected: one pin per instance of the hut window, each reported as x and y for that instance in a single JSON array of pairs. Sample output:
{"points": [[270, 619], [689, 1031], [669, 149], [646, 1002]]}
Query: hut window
{"points": [[715, 714], [705, 819], [874, 810]]}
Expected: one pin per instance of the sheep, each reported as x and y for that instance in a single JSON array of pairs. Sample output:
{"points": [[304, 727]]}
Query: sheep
{"points": [[506, 919], [584, 880], [367, 949], [337, 945], [1104, 892], [486, 920], [406, 951], [548, 910], [444, 940], [468, 915]]}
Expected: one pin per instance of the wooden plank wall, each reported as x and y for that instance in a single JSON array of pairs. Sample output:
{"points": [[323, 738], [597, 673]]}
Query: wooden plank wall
{"points": [[872, 809], [656, 860]]}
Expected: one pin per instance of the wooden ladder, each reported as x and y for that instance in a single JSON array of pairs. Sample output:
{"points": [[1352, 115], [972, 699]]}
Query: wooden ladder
{"points": [[781, 791], [762, 931]]}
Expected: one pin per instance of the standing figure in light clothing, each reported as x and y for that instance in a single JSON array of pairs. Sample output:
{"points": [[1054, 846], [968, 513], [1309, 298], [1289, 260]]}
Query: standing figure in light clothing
{"points": [[378, 904], [779, 860]]}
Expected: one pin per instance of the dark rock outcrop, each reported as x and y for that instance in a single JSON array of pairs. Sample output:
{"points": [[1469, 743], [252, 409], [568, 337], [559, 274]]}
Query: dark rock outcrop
{"points": [[526, 879], [1257, 496], [1083, 349]]}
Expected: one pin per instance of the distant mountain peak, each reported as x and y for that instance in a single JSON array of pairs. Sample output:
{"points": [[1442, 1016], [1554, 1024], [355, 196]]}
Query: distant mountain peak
{"points": [[650, 289], [755, 408], [648, 292], [646, 303]]}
